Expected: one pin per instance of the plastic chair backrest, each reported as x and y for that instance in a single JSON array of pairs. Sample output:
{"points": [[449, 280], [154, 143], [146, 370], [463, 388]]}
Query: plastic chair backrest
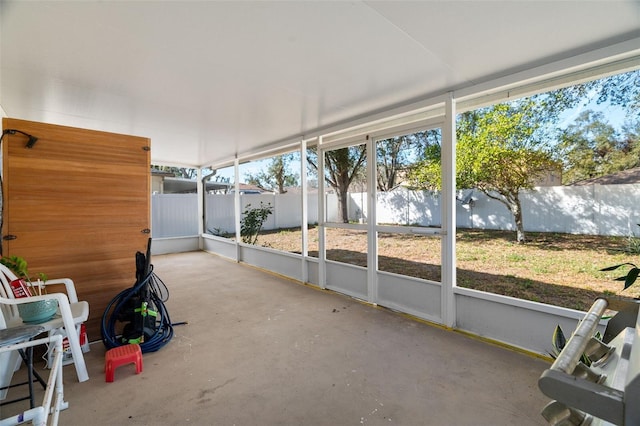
{"points": [[6, 276], [9, 312]]}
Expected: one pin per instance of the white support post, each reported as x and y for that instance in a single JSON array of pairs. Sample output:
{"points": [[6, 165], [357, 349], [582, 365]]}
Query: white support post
{"points": [[236, 203], [322, 265], [304, 226], [448, 165], [200, 194], [372, 234]]}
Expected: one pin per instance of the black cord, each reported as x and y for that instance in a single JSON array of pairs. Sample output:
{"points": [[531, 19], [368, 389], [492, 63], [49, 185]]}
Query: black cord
{"points": [[30, 143]]}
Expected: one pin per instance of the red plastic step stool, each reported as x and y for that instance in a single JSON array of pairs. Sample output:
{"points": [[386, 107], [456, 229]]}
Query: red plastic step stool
{"points": [[122, 355]]}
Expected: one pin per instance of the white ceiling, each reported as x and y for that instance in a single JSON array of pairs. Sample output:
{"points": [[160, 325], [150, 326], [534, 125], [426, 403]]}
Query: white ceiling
{"points": [[209, 80]]}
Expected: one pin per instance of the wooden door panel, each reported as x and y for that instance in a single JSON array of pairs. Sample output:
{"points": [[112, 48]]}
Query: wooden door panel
{"points": [[77, 203]]}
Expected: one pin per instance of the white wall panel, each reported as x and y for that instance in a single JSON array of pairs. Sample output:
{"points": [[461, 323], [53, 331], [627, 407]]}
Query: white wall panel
{"points": [[283, 263], [220, 246], [521, 323], [175, 245], [411, 295], [347, 279]]}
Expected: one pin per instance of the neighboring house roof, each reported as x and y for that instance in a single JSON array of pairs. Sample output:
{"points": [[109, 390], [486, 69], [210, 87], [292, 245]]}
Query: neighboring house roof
{"points": [[174, 185], [156, 172], [619, 178], [245, 188], [298, 190], [249, 187]]}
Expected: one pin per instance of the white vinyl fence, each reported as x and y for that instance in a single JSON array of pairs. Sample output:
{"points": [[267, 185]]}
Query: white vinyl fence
{"points": [[287, 211], [594, 209], [174, 215], [591, 210]]}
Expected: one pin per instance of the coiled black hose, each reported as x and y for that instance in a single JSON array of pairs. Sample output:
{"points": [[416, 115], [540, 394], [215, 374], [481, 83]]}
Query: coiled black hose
{"points": [[159, 293]]}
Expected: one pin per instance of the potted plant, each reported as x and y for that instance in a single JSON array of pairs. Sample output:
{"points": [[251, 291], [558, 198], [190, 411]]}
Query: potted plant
{"points": [[33, 312]]}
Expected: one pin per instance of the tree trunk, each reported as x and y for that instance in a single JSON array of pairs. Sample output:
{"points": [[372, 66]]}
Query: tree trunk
{"points": [[516, 209], [343, 195], [342, 205]]}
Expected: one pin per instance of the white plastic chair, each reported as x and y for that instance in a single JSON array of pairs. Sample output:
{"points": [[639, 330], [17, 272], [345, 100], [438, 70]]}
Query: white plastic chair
{"points": [[71, 312]]}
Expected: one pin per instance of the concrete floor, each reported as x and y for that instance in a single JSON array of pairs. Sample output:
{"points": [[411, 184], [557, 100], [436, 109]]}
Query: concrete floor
{"points": [[262, 350]]}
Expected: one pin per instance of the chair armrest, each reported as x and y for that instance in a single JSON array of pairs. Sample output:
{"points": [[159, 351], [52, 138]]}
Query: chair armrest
{"points": [[63, 300], [69, 286]]}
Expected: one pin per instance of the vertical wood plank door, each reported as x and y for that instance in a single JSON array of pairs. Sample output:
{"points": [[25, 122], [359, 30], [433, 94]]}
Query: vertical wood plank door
{"points": [[77, 205]]}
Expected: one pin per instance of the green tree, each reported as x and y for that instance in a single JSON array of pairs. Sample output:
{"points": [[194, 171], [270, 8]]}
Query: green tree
{"points": [[342, 167], [498, 152], [590, 147], [277, 176], [395, 156], [586, 147], [629, 144]]}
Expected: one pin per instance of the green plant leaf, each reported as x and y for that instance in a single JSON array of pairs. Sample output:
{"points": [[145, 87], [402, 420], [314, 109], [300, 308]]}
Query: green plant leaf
{"points": [[613, 268], [632, 276], [559, 341], [16, 264]]}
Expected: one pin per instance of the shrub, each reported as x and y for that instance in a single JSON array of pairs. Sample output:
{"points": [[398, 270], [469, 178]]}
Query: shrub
{"points": [[252, 221]]}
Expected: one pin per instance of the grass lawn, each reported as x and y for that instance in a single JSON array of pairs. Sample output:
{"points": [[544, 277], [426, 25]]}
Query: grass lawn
{"points": [[558, 269]]}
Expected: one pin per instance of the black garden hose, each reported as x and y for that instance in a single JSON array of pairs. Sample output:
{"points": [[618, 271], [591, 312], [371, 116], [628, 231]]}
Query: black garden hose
{"points": [[158, 294]]}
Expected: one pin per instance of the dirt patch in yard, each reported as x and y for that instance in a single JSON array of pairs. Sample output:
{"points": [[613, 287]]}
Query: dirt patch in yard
{"points": [[558, 269]]}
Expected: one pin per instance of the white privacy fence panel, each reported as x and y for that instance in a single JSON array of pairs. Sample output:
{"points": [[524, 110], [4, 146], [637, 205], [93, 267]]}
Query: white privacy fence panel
{"points": [[424, 208], [333, 211], [287, 210], [570, 210], [174, 215], [484, 213], [219, 214], [408, 207], [594, 209], [618, 211]]}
